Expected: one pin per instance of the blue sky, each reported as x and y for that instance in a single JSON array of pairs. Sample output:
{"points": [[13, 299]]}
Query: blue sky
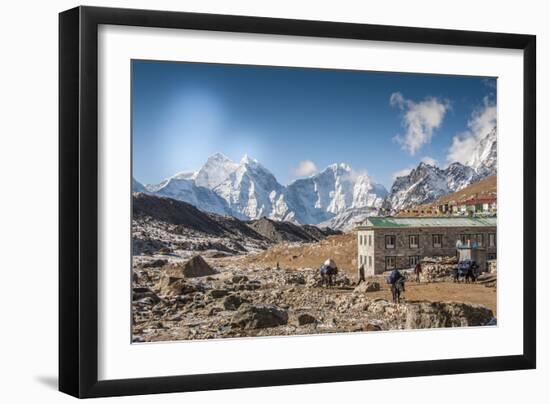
{"points": [[295, 121]]}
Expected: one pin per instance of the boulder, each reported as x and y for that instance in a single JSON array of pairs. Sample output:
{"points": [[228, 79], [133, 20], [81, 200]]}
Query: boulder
{"points": [[232, 302], [440, 314], [373, 327], [252, 285], [145, 293], [155, 263], [217, 293], [239, 279], [295, 279], [174, 286], [197, 267], [365, 287], [305, 318], [259, 316], [425, 314], [165, 251]]}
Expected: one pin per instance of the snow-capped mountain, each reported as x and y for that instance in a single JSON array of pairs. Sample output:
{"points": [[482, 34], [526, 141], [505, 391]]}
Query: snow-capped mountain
{"points": [[460, 176], [251, 189], [349, 218], [137, 186], [484, 159], [336, 197], [216, 170], [184, 188], [427, 182], [333, 191], [248, 190]]}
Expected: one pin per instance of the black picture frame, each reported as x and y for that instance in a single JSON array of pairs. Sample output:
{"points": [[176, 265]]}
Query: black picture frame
{"points": [[78, 201]]}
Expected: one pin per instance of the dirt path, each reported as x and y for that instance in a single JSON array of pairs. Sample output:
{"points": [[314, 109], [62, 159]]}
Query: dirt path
{"points": [[445, 292]]}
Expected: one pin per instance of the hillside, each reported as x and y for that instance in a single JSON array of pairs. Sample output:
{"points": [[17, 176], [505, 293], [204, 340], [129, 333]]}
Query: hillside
{"points": [[342, 248], [187, 216], [161, 223], [278, 232]]}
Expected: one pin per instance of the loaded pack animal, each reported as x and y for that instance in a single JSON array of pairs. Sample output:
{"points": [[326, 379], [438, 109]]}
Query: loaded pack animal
{"points": [[397, 282], [328, 272], [466, 270]]}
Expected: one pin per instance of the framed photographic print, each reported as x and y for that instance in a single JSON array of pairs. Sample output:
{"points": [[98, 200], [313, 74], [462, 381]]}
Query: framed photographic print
{"points": [[251, 201]]}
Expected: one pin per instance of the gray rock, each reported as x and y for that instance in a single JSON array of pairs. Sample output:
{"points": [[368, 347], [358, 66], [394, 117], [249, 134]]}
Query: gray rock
{"points": [[217, 293], [366, 287], [155, 263], [232, 302], [305, 318], [439, 314], [140, 294], [254, 317], [214, 310], [252, 285], [373, 327], [295, 279], [174, 286], [239, 279]]}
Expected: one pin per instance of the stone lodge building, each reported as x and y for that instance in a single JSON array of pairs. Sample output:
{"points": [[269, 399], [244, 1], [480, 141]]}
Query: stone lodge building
{"points": [[385, 243]]}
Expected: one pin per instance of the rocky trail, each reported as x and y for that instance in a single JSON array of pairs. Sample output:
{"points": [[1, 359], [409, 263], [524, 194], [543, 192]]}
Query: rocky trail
{"points": [[219, 298]]}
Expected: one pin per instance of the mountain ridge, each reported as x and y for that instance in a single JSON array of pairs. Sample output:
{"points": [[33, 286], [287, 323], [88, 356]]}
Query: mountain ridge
{"points": [[426, 182], [247, 190], [336, 196]]}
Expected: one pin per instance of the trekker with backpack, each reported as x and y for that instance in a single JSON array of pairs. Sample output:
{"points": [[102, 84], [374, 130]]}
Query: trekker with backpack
{"points": [[361, 274], [417, 271]]}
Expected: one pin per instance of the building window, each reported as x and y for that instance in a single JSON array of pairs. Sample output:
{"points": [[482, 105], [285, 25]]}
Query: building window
{"points": [[413, 241], [413, 260], [478, 238], [390, 241], [390, 263], [437, 240], [465, 238], [370, 240], [491, 256], [370, 261], [492, 240], [360, 239]]}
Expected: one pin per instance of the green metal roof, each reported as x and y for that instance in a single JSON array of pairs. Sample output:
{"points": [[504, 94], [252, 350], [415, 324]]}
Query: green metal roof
{"points": [[393, 222]]}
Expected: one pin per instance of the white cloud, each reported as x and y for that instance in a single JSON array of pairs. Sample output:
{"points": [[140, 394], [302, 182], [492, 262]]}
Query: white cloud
{"points": [[462, 148], [429, 160], [483, 120], [397, 99], [401, 173], [420, 119], [305, 168]]}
